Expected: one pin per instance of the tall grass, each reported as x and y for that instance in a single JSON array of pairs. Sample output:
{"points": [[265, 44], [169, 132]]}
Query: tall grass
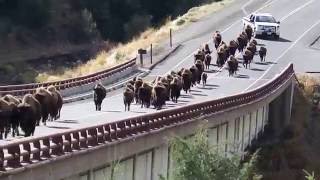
{"points": [[123, 52]]}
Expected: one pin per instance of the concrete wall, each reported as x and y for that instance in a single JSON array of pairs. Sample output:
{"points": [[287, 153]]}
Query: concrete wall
{"points": [[145, 157], [106, 81]]}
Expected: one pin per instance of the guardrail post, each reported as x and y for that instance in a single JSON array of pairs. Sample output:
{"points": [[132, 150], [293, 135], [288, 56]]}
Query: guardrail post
{"points": [[27, 152], [170, 37], [75, 141], [57, 148], [37, 149], [93, 139], [1, 160], [46, 149], [67, 143], [14, 151], [83, 139], [151, 53]]}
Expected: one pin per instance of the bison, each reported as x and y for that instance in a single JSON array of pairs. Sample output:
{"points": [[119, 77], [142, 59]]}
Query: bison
{"points": [[128, 98], [204, 78], [145, 92], [233, 46], [217, 38], [249, 31], [29, 113], [137, 85], [175, 89], [159, 93], [232, 65], [55, 114], [99, 94], [200, 67], [186, 80], [247, 58], [47, 102], [14, 118], [263, 53], [207, 61]]}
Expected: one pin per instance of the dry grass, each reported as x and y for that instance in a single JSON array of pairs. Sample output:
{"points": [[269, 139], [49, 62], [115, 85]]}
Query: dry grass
{"points": [[307, 82], [123, 52], [300, 150]]}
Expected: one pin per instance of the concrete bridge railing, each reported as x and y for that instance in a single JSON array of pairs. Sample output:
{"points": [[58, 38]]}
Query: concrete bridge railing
{"points": [[82, 152]]}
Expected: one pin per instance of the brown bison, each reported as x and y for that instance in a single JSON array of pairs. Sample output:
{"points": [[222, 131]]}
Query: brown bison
{"points": [[247, 58], [249, 31], [58, 102], [175, 89], [159, 95], [200, 55], [217, 38], [221, 56], [128, 98], [232, 65], [207, 61], [47, 102], [186, 80], [200, 67], [29, 113], [204, 78], [145, 93], [194, 75], [5, 116], [130, 86], [14, 118], [263, 53], [99, 94], [137, 85], [207, 49], [233, 46]]}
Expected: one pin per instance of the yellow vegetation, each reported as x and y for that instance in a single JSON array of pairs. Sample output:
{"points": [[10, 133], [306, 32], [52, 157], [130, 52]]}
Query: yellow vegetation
{"points": [[123, 52]]}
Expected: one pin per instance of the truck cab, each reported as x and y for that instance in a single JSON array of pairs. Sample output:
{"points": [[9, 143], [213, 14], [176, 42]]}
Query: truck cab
{"points": [[263, 24]]}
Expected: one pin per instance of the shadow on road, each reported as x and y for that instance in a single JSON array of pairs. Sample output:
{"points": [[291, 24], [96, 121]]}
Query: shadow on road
{"points": [[57, 127], [112, 111], [212, 85], [206, 88], [68, 122], [257, 69], [197, 94], [242, 76]]}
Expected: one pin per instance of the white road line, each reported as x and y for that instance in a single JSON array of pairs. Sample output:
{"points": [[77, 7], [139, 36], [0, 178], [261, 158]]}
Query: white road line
{"points": [[296, 10], [243, 8], [284, 53], [282, 19], [228, 28]]}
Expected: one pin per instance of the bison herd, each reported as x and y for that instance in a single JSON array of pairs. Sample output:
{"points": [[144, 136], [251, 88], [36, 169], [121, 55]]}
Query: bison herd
{"points": [[45, 104], [27, 112], [169, 87]]}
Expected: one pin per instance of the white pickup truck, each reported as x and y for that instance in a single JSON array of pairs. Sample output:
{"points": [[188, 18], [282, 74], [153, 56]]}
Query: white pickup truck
{"points": [[263, 24]]}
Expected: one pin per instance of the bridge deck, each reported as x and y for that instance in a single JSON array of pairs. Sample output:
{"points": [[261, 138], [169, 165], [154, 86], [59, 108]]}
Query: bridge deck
{"points": [[295, 35]]}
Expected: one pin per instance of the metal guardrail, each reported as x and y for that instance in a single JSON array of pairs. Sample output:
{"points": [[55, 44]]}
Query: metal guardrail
{"points": [[32, 150], [20, 90]]}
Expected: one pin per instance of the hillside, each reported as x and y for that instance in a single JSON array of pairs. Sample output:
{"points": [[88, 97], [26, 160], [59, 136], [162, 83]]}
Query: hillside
{"points": [[298, 148], [41, 35]]}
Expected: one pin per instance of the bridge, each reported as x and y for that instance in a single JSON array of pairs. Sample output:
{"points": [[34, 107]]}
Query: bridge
{"points": [[235, 109]]}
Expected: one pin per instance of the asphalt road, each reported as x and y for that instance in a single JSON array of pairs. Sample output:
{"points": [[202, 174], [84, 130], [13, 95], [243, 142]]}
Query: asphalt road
{"points": [[300, 26]]}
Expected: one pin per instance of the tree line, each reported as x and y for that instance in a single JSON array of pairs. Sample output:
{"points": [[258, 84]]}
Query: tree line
{"points": [[113, 20]]}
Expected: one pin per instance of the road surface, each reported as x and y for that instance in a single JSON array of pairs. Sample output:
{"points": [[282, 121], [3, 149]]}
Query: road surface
{"points": [[300, 26]]}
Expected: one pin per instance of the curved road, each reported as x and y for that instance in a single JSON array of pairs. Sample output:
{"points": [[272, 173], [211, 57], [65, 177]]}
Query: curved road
{"points": [[300, 26]]}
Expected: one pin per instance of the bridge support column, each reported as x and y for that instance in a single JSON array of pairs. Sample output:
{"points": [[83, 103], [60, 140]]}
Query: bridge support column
{"points": [[280, 111]]}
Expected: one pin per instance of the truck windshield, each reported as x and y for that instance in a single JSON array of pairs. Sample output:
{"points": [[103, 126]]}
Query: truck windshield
{"points": [[268, 19]]}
